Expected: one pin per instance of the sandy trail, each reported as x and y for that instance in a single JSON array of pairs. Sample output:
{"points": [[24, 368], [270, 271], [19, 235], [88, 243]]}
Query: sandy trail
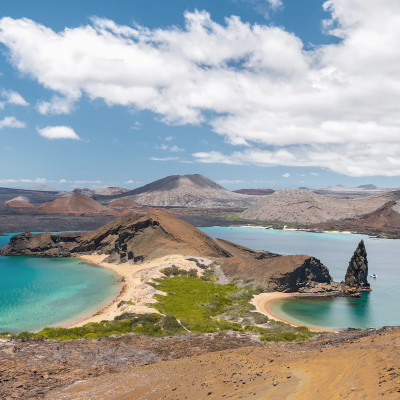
{"points": [[136, 291]]}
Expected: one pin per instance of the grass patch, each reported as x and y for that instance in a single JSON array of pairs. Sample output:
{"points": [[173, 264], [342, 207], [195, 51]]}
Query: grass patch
{"points": [[197, 305]]}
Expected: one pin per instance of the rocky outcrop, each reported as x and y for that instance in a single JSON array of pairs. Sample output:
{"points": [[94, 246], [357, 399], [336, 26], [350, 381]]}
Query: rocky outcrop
{"points": [[42, 245], [134, 238], [356, 279], [272, 272]]}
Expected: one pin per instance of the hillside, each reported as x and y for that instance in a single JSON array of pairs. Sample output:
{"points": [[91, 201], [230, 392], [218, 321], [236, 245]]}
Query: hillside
{"points": [[187, 191], [255, 192], [134, 238], [19, 202], [107, 191], [306, 207], [74, 204], [385, 219]]}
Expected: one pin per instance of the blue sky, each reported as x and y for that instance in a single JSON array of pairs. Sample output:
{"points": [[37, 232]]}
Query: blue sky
{"points": [[251, 93]]}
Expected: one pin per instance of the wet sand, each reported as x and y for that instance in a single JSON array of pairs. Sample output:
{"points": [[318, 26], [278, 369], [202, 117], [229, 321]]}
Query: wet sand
{"points": [[263, 303]]}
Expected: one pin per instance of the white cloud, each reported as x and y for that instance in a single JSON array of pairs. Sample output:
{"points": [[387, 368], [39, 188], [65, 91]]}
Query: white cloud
{"points": [[286, 175], [77, 182], [12, 97], [335, 106], [57, 105], [169, 138], [23, 180], [230, 181], [173, 149], [58, 132], [164, 158], [11, 122], [130, 181]]}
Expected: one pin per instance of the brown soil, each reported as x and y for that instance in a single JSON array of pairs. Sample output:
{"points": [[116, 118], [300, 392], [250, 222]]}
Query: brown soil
{"points": [[76, 204], [349, 365]]}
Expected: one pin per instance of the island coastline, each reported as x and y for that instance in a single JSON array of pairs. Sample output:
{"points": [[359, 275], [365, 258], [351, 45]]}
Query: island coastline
{"points": [[264, 301]]}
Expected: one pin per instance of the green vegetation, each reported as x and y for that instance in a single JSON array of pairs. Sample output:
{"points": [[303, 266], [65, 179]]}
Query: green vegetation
{"points": [[192, 304], [143, 324]]}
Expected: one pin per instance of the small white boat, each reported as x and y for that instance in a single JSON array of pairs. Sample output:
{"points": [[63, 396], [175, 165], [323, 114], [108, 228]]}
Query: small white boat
{"points": [[373, 275]]}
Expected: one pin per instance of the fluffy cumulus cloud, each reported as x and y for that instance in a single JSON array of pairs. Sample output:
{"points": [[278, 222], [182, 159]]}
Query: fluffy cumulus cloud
{"points": [[336, 106], [11, 122], [11, 97], [58, 132]]}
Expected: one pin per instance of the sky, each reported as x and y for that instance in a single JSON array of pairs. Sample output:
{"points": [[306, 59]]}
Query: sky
{"points": [[250, 93]]}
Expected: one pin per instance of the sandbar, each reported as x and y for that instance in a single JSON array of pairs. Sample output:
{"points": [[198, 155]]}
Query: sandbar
{"points": [[136, 296]]}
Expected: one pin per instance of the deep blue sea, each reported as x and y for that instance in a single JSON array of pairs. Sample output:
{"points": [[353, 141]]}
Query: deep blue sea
{"points": [[38, 292], [375, 309]]}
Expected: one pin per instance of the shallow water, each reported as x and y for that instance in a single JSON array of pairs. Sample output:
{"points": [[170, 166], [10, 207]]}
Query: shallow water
{"points": [[38, 292], [375, 309]]}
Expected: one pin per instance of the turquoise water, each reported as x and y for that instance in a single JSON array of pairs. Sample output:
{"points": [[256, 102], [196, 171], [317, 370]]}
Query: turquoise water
{"points": [[375, 309], [39, 292]]}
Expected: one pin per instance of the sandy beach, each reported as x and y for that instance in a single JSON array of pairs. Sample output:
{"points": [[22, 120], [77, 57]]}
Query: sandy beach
{"points": [[136, 296], [263, 303]]}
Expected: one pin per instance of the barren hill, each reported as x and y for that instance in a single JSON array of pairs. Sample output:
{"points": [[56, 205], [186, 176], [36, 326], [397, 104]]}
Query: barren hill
{"points": [[75, 204], [188, 191], [135, 239], [124, 204], [19, 202], [255, 192], [383, 220], [107, 191], [306, 207]]}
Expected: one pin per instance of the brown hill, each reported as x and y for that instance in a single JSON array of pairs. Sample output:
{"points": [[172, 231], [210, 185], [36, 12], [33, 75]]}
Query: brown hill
{"points": [[19, 202], [75, 204], [135, 238]]}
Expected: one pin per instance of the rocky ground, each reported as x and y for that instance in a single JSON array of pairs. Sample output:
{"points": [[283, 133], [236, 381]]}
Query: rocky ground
{"points": [[349, 365]]}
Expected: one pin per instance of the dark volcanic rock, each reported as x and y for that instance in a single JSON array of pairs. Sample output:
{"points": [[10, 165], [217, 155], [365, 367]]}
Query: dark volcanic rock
{"points": [[310, 277], [357, 272]]}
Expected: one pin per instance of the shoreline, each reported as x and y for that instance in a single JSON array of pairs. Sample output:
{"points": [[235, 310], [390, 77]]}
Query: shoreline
{"points": [[263, 303], [135, 296]]}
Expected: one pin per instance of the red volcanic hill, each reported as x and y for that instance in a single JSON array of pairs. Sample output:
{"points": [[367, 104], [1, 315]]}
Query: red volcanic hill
{"points": [[18, 202], [75, 204]]}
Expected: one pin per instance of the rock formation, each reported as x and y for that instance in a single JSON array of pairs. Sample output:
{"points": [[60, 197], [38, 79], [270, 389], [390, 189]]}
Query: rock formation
{"points": [[356, 279], [134, 238]]}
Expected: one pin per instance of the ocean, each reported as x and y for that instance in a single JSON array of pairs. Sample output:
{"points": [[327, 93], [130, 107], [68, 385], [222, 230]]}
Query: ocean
{"points": [[373, 310], [39, 292]]}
